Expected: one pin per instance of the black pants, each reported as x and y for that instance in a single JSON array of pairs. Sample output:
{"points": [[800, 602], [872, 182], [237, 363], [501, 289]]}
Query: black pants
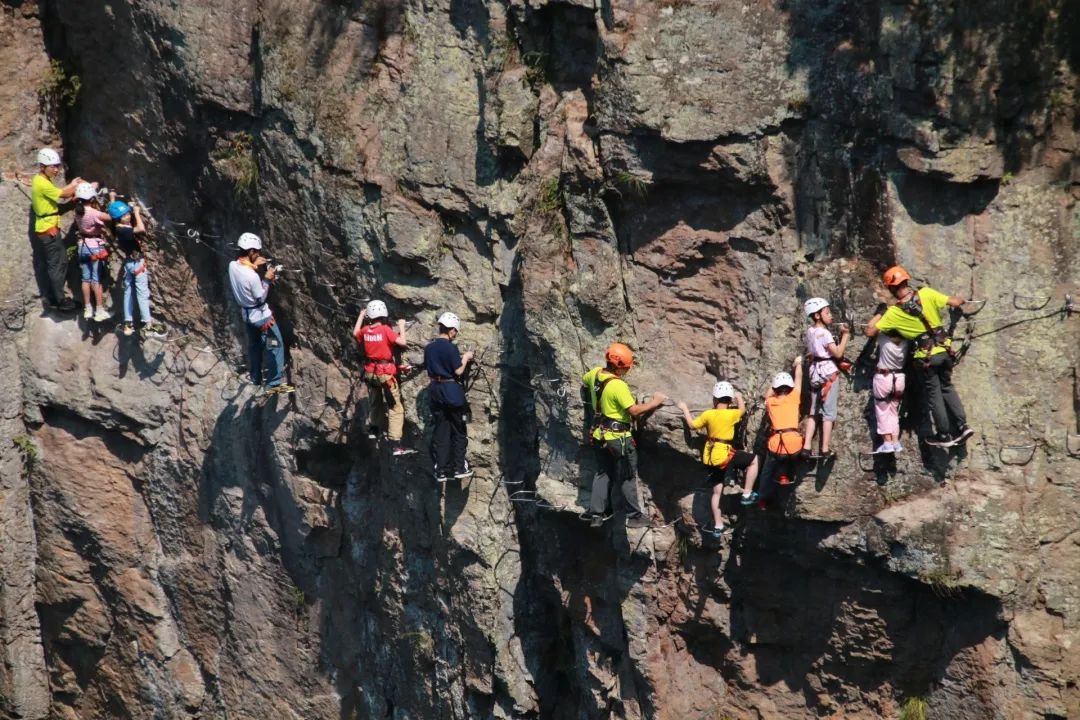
{"points": [[616, 462], [449, 438], [774, 466], [51, 257], [940, 396]]}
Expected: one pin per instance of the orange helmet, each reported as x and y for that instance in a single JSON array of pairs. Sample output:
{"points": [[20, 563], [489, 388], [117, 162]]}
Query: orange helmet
{"points": [[620, 356], [895, 275]]}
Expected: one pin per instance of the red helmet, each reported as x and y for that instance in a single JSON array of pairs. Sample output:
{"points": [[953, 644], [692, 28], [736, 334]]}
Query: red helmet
{"points": [[895, 276], [620, 356]]}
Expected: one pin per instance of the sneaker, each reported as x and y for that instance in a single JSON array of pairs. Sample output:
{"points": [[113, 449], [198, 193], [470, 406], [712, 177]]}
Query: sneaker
{"points": [[88, 312], [129, 329], [965, 433], [749, 499], [442, 478], [280, 389], [67, 305], [785, 480], [462, 474], [827, 455], [884, 449], [154, 330], [941, 440], [402, 450], [372, 432], [717, 533], [897, 447], [637, 520], [101, 315], [805, 454]]}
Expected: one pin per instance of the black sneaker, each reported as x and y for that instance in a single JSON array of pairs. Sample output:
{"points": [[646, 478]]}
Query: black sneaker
{"points": [[66, 305], [965, 433], [372, 432], [717, 533], [637, 520], [598, 519], [402, 450], [941, 440], [442, 478]]}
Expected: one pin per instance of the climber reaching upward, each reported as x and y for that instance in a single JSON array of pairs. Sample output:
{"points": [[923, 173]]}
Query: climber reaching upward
{"points": [[91, 221], [263, 334], [613, 412], [446, 368], [129, 232], [824, 353], [719, 455], [916, 315], [380, 341]]}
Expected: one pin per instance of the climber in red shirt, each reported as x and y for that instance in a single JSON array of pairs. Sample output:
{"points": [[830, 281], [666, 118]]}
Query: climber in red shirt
{"points": [[380, 370]]}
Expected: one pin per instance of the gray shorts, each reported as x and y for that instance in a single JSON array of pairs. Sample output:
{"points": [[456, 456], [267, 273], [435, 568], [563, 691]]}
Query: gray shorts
{"points": [[825, 406]]}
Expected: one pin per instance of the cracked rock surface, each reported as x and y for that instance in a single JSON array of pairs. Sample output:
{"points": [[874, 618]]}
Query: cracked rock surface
{"points": [[678, 175]]}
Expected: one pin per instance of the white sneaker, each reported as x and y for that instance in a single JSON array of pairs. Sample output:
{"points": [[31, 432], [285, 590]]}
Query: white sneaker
{"points": [[88, 312], [883, 448], [897, 447], [101, 315]]}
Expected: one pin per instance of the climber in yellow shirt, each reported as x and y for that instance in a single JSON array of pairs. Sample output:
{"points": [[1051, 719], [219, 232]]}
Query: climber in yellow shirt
{"points": [[719, 455]]}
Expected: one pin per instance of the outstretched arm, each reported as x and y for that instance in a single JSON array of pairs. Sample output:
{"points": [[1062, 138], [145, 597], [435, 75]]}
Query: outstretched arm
{"points": [[640, 409], [401, 341], [798, 375], [686, 414], [359, 322]]}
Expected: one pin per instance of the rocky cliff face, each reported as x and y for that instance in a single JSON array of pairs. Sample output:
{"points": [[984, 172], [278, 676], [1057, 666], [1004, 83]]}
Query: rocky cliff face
{"points": [[678, 175]]}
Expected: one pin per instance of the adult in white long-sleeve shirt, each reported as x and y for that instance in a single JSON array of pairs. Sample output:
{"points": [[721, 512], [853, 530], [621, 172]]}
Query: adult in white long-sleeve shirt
{"points": [[251, 292]]}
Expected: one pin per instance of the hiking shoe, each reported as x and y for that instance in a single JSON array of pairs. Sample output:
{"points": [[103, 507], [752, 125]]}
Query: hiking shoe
{"points": [[372, 432], [748, 499], [941, 440], [897, 447], [129, 329], [805, 454], [637, 520], [965, 433], [462, 474], [785, 480], [101, 315], [88, 311], [442, 478], [154, 330], [884, 449], [67, 305], [717, 533], [282, 388], [402, 450]]}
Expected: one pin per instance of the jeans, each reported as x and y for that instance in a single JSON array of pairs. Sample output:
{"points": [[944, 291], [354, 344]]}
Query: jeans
{"points": [[89, 270], [265, 343], [394, 416], [54, 257], [139, 286], [616, 461], [449, 438], [942, 401]]}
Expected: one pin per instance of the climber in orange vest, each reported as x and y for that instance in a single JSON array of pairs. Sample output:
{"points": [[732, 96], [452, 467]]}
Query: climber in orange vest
{"points": [[615, 450], [719, 455], [825, 358], [380, 341], [785, 441]]}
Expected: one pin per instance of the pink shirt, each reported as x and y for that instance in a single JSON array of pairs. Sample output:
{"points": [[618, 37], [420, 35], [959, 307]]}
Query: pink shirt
{"points": [[817, 346], [90, 226]]}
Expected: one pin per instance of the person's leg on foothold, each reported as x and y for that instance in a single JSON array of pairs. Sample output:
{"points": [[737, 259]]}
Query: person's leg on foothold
{"points": [[377, 418], [935, 402], [828, 415], [750, 462], [459, 442], [142, 294], [953, 407], [396, 414], [275, 354], [255, 345], [440, 442], [628, 479], [811, 424], [56, 262], [716, 477], [601, 482]]}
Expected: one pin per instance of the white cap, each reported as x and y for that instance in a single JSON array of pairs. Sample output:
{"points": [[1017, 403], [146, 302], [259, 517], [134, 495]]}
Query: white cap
{"points": [[450, 320], [813, 305], [249, 241], [48, 156], [723, 389], [85, 191], [783, 380], [377, 309]]}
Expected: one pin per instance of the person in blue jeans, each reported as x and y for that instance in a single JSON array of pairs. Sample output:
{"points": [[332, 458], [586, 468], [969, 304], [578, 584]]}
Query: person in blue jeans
{"points": [[251, 278], [445, 367], [129, 231]]}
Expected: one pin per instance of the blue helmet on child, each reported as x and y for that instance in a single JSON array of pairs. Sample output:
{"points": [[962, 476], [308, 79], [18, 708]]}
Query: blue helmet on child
{"points": [[118, 209]]}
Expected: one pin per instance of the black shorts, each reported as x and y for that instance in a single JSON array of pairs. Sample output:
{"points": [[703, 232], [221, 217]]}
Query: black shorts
{"points": [[738, 461]]}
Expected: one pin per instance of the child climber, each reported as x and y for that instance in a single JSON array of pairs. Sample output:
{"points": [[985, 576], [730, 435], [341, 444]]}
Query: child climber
{"points": [[889, 383], [91, 223], [785, 442], [128, 229], [824, 353], [719, 456], [381, 372]]}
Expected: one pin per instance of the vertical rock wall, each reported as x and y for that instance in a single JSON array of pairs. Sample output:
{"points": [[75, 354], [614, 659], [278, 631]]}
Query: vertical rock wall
{"points": [[679, 175]]}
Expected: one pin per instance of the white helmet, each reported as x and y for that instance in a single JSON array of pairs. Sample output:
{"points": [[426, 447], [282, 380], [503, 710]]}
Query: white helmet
{"points": [[783, 380], [813, 305], [48, 156], [723, 389], [377, 309], [249, 241], [85, 191], [450, 320]]}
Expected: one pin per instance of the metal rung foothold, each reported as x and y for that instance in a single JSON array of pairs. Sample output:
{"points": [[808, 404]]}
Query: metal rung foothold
{"points": [[859, 460], [978, 305], [1072, 444], [1018, 454], [508, 482], [1030, 302], [545, 505], [527, 496]]}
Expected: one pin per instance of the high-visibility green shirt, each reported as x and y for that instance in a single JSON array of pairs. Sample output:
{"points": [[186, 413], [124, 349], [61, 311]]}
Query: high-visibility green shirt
{"points": [[910, 326], [615, 401], [45, 200]]}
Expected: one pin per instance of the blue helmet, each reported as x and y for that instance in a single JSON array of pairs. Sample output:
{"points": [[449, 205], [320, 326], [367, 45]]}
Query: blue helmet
{"points": [[118, 209]]}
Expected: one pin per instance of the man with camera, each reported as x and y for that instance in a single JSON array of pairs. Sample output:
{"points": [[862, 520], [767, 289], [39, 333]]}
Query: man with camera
{"points": [[251, 277]]}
